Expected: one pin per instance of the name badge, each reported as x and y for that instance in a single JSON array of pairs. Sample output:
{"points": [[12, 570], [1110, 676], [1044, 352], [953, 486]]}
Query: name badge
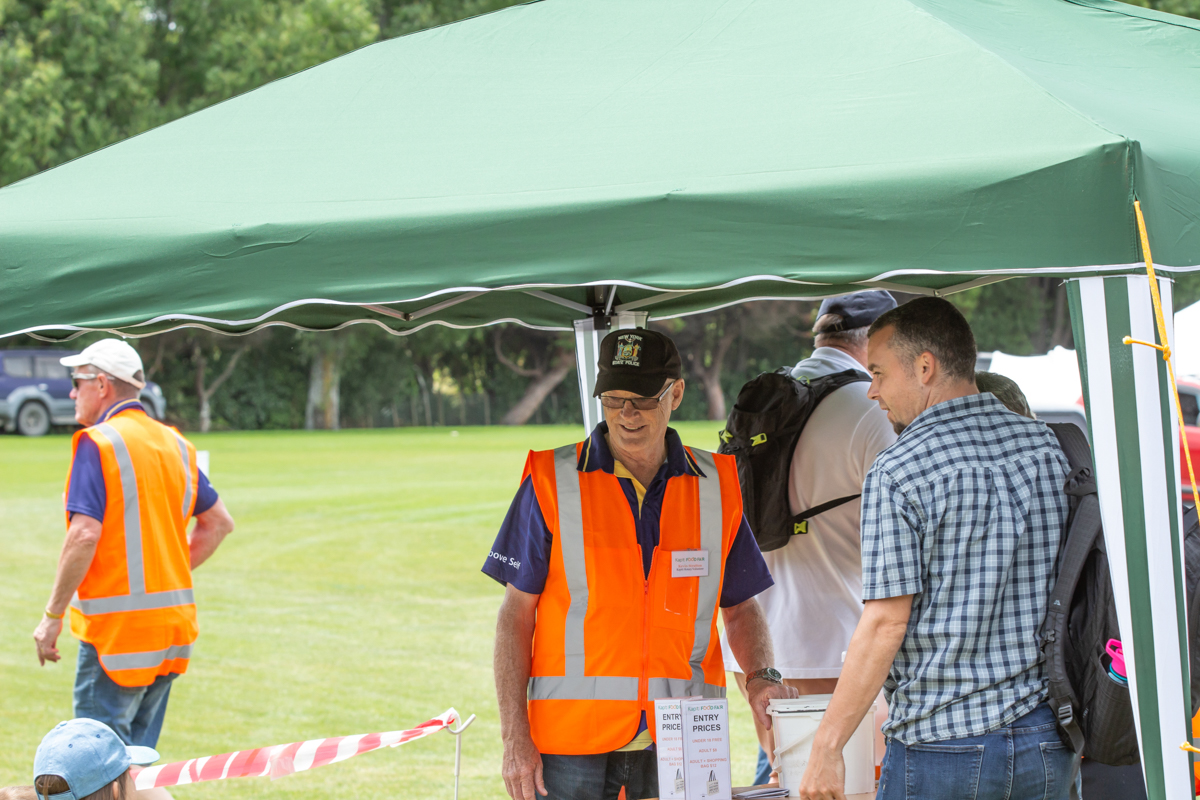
{"points": [[689, 563]]}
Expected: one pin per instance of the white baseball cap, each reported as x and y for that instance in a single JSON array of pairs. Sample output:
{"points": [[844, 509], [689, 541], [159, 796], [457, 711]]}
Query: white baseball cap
{"points": [[111, 355]]}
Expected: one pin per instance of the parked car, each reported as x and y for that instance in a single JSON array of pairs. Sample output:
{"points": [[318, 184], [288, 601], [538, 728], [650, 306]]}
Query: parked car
{"points": [[1189, 401], [35, 392], [1051, 383]]}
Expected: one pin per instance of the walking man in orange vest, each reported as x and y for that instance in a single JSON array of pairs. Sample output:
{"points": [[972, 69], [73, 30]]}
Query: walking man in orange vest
{"points": [[616, 554], [126, 565]]}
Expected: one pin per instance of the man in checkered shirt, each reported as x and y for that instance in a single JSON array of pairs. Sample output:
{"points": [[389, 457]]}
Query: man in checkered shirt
{"points": [[961, 520]]}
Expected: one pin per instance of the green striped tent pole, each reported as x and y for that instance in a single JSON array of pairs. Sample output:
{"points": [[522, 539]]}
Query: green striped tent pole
{"points": [[1135, 445]]}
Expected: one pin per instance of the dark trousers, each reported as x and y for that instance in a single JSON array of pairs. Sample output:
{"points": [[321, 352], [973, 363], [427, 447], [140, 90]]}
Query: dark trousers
{"points": [[601, 777]]}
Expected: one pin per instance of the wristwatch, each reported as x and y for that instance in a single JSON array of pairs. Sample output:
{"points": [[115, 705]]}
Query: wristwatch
{"points": [[767, 674]]}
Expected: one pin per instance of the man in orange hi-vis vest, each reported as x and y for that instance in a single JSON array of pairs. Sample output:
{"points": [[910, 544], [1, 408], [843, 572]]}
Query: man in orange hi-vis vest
{"points": [[616, 555], [125, 571]]}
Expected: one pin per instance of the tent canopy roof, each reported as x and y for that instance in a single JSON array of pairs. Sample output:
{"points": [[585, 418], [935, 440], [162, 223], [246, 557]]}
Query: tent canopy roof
{"points": [[693, 153]]}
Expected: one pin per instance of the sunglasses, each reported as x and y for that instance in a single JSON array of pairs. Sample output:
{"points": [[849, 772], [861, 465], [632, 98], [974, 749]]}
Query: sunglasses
{"points": [[640, 403], [83, 376]]}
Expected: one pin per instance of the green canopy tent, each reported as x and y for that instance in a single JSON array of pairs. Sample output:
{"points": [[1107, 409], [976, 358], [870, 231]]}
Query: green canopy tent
{"points": [[585, 163]]}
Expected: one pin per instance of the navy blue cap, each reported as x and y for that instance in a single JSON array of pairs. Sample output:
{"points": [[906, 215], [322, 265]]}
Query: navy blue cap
{"points": [[87, 755], [857, 310]]}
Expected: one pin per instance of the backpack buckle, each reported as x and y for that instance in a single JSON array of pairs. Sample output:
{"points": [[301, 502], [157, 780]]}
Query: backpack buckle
{"points": [[758, 439], [1066, 714], [1080, 482], [800, 527]]}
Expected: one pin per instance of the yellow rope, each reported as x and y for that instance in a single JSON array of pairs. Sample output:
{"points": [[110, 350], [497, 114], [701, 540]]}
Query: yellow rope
{"points": [[1164, 347]]}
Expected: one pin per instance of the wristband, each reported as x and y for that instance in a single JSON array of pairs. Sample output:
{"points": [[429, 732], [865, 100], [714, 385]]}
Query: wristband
{"points": [[55, 616]]}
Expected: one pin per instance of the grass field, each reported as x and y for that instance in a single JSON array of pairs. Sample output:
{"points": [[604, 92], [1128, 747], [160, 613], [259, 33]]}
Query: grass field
{"points": [[348, 600]]}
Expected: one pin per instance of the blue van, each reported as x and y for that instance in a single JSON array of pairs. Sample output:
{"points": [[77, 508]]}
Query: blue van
{"points": [[35, 392]]}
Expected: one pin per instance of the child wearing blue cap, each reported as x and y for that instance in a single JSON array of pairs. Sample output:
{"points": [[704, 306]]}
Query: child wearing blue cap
{"points": [[82, 759]]}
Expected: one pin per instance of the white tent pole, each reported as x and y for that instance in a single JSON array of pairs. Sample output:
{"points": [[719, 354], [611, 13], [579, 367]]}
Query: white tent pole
{"points": [[588, 335], [1135, 445]]}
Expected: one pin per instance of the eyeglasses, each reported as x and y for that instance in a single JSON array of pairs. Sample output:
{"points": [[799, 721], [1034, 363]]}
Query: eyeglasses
{"points": [[83, 376], [640, 403]]}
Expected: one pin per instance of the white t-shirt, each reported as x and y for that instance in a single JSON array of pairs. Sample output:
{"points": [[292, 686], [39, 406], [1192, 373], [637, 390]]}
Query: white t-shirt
{"points": [[817, 598]]}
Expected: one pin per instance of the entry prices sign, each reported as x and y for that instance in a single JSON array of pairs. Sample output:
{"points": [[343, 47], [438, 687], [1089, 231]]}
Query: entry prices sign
{"points": [[706, 749], [668, 736]]}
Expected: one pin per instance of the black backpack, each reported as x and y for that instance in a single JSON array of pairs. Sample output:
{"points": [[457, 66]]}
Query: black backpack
{"points": [[1095, 713], [761, 433]]}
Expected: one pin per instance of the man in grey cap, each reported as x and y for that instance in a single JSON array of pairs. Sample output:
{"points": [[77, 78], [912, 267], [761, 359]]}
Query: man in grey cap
{"points": [[125, 572], [817, 598]]}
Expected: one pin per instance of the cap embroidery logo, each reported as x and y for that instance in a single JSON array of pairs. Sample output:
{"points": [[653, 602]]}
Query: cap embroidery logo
{"points": [[629, 348]]}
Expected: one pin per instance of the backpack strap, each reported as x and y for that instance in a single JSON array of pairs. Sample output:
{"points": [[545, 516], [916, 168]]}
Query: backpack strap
{"points": [[1082, 529], [1074, 444], [800, 521], [823, 386]]}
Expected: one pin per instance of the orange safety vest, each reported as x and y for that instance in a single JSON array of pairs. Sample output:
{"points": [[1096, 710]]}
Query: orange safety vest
{"points": [[608, 641], [135, 604]]}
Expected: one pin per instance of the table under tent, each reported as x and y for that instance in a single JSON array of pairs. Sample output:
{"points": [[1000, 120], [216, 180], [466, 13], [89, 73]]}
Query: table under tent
{"points": [[581, 164]]}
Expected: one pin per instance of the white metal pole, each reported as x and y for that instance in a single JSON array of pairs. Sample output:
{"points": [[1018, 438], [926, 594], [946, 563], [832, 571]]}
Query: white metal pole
{"points": [[588, 335]]}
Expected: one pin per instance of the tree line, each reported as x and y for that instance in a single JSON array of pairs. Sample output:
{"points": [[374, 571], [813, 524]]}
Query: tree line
{"points": [[365, 377], [76, 75]]}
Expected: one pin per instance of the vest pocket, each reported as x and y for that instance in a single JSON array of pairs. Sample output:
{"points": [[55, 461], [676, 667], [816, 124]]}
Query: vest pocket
{"points": [[673, 599]]}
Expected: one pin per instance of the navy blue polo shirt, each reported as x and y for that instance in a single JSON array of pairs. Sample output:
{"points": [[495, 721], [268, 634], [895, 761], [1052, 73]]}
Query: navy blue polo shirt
{"points": [[521, 553], [87, 494]]}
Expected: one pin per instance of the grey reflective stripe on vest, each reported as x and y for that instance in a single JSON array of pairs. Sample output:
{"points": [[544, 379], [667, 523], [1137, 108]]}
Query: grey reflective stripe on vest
{"points": [[146, 660], [187, 477], [133, 508], [134, 602], [570, 539], [708, 593], [674, 687], [583, 688]]}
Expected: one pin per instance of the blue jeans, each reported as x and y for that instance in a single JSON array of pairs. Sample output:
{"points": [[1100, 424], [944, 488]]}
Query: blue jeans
{"points": [[762, 770], [136, 715], [1025, 760], [601, 777]]}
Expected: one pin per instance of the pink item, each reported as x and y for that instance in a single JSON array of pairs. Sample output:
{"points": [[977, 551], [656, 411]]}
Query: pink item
{"points": [[1115, 650]]}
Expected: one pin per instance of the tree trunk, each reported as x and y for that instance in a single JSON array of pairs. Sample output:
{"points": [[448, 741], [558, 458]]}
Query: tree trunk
{"points": [[425, 397], [714, 396], [538, 388], [205, 393], [323, 409], [710, 376], [202, 395]]}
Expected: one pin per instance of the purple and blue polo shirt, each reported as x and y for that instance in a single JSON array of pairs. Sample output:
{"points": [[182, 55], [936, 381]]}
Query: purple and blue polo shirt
{"points": [[87, 494]]}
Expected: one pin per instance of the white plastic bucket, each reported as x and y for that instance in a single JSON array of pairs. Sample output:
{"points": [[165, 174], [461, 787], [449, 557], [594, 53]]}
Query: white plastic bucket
{"points": [[795, 722]]}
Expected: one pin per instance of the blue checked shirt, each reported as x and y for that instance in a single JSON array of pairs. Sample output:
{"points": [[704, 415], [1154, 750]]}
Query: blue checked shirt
{"points": [[965, 512]]}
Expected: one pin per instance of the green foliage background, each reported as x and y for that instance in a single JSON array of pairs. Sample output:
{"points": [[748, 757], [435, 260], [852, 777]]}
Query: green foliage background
{"points": [[76, 75]]}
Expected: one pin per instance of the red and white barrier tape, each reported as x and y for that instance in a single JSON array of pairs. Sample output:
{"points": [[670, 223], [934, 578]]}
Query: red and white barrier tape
{"points": [[283, 759]]}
